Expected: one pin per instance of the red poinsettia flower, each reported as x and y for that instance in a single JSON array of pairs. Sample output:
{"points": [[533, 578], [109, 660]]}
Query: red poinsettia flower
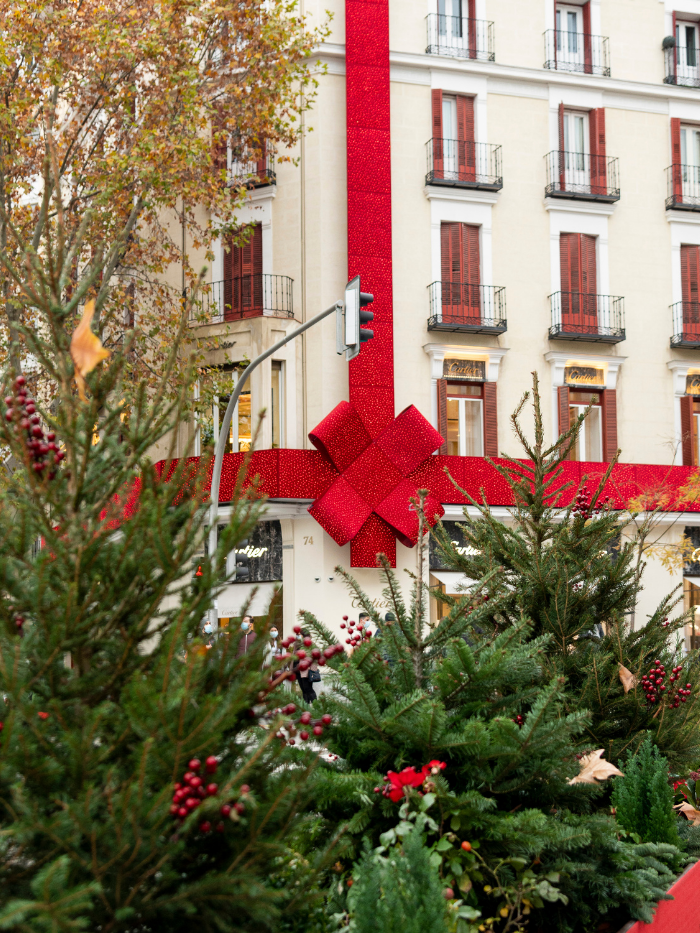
{"points": [[409, 777], [435, 767]]}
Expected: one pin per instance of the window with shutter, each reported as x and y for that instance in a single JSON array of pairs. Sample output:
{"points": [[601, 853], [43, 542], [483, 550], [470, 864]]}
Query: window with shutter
{"points": [[609, 410], [563, 407], [460, 271], [442, 413], [464, 418], [243, 279], [587, 50], [591, 438], [579, 301], [690, 268]]}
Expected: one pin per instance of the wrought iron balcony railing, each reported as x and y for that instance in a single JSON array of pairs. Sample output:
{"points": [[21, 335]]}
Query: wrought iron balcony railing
{"points": [[460, 37], [594, 318], [243, 297], [683, 188], [686, 324], [462, 306], [460, 164], [576, 51], [581, 176], [251, 173], [682, 66]]}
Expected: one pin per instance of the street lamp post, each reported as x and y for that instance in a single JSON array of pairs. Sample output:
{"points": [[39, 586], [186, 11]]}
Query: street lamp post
{"points": [[336, 308]]}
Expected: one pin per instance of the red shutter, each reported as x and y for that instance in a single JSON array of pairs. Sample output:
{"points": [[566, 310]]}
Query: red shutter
{"points": [[228, 279], [599, 179], [676, 160], [471, 267], [261, 164], [437, 133], [465, 138], [246, 276], [442, 413], [219, 145], [490, 420], [675, 51], [690, 273], [689, 444], [589, 283], [471, 10], [569, 276], [562, 154], [450, 292], [564, 414], [587, 56], [609, 413]]}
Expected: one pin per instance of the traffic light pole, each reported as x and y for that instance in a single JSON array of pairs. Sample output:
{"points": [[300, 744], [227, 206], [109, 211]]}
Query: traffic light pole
{"points": [[226, 424]]}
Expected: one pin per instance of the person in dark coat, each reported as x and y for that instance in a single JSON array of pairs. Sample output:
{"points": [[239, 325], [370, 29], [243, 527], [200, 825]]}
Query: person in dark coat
{"points": [[248, 636]]}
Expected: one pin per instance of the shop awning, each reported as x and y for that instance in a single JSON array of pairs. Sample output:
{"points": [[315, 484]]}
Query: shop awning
{"points": [[455, 582]]}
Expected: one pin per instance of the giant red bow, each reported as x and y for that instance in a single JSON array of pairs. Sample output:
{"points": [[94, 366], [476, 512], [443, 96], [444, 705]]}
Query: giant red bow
{"points": [[374, 475]]}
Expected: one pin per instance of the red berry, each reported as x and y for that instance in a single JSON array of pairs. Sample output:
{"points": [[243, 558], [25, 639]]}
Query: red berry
{"points": [[219, 827], [226, 809], [195, 781], [2, 726], [51, 436], [201, 792], [239, 808], [289, 709], [316, 654], [173, 809], [211, 764], [191, 803], [182, 812], [321, 662], [43, 716], [448, 894], [8, 416], [345, 618], [318, 730], [328, 652], [245, 789], [301, 654], [304, 665], [308, 642], [195, 764], [303, 735], [688, 686], [212, 789], [342, 624], [326, 719], [348, 641], [205, 827], [19, 382], [297, 629], [467, 846]]}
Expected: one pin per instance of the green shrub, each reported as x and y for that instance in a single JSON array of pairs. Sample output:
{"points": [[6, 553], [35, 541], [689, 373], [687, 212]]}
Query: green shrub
{"points": [[399, 892], [643, 799]]}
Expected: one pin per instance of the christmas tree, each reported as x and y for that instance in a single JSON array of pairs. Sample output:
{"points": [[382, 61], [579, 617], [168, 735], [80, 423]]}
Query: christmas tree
{"points": [[643, 799], [572, 575], [142, 782], [457, 730]]}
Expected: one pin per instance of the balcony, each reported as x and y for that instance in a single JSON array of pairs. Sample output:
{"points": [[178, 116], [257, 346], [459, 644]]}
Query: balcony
{"points": [[686, 325], [244, 297], [455, 163], [576, 51], [460, 37], [683, 188], [593, 318], [250, 173], [461, 307], [582, 177], [682, 66]]}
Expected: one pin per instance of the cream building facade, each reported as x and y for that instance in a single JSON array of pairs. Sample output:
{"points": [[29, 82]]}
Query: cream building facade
{"points": [[572, 191]]}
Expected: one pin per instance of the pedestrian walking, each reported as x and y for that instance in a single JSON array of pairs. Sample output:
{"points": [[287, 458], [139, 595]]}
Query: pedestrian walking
{"points": [[248, 636]]}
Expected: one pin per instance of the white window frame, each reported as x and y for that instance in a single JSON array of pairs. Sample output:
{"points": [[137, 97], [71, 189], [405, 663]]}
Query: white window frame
{"points": [[586, 427], [462, 401]]}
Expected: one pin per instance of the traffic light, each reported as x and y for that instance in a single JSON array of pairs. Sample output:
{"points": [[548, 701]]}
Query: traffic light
{"points": [[350, 334], [241, 564]]}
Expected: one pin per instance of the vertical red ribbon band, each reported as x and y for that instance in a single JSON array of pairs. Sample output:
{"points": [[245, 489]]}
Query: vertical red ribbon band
{"points": [[369, 232]]}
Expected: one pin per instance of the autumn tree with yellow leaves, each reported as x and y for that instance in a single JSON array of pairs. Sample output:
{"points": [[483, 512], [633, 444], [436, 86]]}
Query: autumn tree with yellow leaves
{"points": [[127, 107]]}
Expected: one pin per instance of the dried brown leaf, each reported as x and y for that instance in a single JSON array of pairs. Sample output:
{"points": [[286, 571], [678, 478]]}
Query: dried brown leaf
{"points": [[86, 348], [595, 769], [627, 678]]}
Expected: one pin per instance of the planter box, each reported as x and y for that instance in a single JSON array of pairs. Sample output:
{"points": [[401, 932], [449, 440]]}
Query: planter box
{"points": [[682, 914]]}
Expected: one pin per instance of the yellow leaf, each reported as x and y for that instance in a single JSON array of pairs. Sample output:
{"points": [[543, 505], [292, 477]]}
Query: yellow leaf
{"points": [[691, 813], [86, 348], [595, 769], [627, 678]]}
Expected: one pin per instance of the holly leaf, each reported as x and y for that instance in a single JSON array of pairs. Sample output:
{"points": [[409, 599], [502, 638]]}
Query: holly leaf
{"points": [[594, 769], [627, 678]]}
